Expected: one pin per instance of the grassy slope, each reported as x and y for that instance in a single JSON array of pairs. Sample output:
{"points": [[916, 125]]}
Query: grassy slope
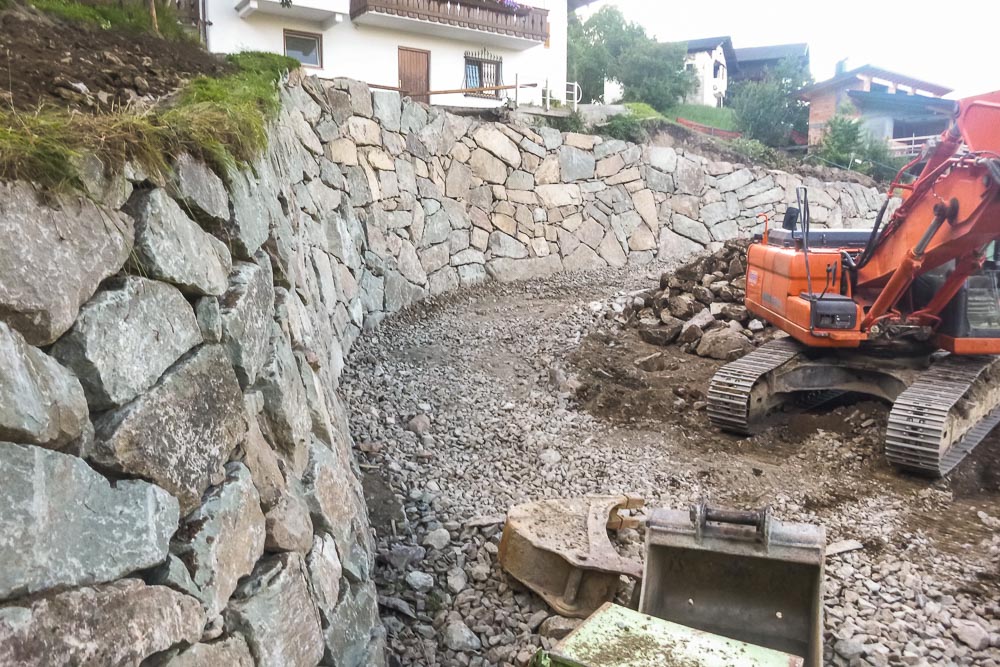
{"points": [[222, 120], [721, 118]]}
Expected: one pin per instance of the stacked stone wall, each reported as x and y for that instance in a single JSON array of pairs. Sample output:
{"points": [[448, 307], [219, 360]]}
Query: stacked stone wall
{"points": [[177, 483]]}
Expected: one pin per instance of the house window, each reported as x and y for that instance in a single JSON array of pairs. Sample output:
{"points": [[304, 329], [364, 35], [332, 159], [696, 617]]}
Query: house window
{"points": [[483, 70], [719, 70], [306, 47]]}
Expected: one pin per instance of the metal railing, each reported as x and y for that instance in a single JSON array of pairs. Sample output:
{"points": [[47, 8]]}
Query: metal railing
{"points": [[530, 23], [909, 146]]}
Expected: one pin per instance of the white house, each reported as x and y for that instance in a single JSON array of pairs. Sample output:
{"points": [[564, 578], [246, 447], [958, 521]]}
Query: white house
{"points": [[418, 46], [710, 59]]}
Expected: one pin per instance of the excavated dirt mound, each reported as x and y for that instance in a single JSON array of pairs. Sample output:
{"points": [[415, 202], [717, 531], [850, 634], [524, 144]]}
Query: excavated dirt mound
{"points": [[46, 61]]}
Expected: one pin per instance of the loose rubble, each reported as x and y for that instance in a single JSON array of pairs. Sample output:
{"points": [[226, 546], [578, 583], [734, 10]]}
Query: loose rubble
{"points": [[493, 369]]}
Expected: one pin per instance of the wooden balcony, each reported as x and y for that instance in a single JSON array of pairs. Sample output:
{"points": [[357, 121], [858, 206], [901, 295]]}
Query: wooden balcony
{"points": [[468, 20]]}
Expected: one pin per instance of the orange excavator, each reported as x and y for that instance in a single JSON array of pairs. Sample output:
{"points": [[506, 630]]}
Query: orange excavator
{"points": [[908, 311]]}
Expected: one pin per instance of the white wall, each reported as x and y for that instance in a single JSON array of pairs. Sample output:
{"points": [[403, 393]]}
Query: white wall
{"points": [[370, 54], [710, 88]]}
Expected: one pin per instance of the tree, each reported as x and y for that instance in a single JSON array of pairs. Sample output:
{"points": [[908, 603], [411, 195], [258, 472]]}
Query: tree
{"points": [[847, 145], [769, 110], [609, 47]]}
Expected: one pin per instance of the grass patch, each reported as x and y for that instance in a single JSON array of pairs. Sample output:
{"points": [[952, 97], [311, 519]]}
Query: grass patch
{"points": [[129, 15], [643, 111], [718, 117], [223, 121]]}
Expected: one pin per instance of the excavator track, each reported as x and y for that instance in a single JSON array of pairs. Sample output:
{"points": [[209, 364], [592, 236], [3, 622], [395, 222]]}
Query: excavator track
{"points": [[928, 430], [729, 393]]}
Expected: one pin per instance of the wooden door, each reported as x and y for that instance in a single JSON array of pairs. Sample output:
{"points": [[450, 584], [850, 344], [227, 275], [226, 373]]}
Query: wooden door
{"points": [[415, 73]]}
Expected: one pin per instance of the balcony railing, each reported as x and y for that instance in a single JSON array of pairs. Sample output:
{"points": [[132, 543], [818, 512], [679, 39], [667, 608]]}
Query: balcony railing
{"points": [[531, 23], [909, 146]]}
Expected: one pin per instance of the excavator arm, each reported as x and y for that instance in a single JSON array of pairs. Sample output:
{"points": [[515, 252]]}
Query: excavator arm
{"points": [[950, 214]]}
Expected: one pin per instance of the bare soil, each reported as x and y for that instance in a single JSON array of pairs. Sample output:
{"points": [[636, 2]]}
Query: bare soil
{"points": [[44, 60]]}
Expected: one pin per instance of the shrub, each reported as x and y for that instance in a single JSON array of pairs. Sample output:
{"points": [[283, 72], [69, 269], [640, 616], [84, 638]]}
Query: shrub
{"points": [[570, 123], [625, 127]]}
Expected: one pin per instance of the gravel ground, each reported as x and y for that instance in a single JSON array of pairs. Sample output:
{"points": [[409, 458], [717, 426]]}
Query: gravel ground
{"points": [[466, 406]]}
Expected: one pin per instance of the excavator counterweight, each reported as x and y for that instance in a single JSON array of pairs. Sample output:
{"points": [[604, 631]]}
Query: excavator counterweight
{"points": [[907, 311]]}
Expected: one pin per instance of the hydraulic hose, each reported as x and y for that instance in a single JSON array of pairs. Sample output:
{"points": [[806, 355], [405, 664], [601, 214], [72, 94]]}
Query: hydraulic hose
{"points": [[870, 246]]}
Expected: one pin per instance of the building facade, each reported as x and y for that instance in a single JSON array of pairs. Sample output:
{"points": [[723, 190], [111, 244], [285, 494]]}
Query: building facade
{"points": [[710, 59], [425, 48], [900, 109]]}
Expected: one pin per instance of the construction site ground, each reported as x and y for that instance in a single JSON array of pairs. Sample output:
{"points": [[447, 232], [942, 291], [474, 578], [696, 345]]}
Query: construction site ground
{"points": [[531, 391]]}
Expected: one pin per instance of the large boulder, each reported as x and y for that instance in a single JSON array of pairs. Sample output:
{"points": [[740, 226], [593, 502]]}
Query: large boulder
{"points": [[171, 247], [247, 229], [247, 311], [286, 414], [575, 164], [125, 337], [199, 189], [116, 624], [273, 610], [221, 541], [41, 402], [724, 344], [179, 433], [349, 627], [498, 143], [63, 524], [325, 572], [53, 257], [229, 652]]}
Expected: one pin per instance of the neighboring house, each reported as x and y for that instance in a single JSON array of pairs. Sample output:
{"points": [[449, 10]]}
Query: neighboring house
{"points": [[419, 46], [710, 59], [900, 109], [756, 61]]}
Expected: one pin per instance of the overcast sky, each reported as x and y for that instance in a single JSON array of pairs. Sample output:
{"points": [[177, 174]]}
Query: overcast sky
{"points": [[952, 44]]}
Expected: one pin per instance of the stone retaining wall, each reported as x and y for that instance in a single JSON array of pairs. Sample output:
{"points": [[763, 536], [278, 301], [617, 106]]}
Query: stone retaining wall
{"points": [[176, 470]]}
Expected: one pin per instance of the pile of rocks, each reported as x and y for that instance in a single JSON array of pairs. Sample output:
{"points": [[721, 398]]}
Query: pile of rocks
{"points": [[699, 306]]}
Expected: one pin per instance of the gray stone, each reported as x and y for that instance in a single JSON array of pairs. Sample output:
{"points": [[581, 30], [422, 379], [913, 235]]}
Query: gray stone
{"points": [[209, 316], [363, 131], [247, 308], [642, 239], [551, 136], [221, 540], [658, 181], [499, 144], [169, 246], [443, 280], [458, 181], [414, 117], [661, 331], [173, 574], [349, 628], [675, 248], [41, 403], [474, 274], [611, 251], [437, 539], [520, 180], [334, 498], [457, 580], [285, 411], [105, 186], [272, 609], [557, 627], [724, 344], [609, 147], [487, 167], [325, 572], [180, 432], [692, 229], [663, 158], [199, 189], [399, 292], [575, 164], [260, 459], [420, 581], [458, 637], [554, 196], [971, 634], [288, 525], [735, 180], [54, 266], [116, 624], [502, 245], [848, 649], [229, 652], [468, 256], [125, 337], [583, 259], [359, 95], [387, 108], [689, 177], [65, 525]]}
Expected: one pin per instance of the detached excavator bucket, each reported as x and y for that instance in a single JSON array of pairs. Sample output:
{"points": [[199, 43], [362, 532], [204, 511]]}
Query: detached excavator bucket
{"points": [[560, 549], [743, 575]]}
